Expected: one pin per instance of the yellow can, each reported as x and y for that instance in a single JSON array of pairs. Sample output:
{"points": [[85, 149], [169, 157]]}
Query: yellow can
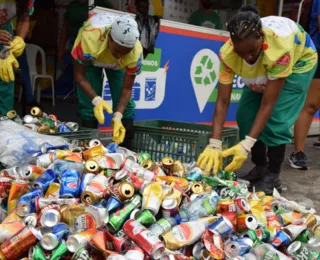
{"points": [[53, 191]]}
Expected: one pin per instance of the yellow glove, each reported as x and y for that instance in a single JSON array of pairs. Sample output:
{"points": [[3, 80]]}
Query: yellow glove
{"points": [[99, 106], [18, 46], [211, 157], [6, 67], [119, 132], [239, 152]]}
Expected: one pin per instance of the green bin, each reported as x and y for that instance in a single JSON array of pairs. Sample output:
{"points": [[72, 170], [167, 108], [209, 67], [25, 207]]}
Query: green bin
{"points": [[179, 140]]}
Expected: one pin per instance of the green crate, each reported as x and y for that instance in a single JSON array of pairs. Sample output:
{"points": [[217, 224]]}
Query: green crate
{"points": [[181, 141], [82, 134]]}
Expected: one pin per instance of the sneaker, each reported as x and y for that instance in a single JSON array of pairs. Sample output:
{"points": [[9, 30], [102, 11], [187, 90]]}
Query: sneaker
{"points": [[317, 144], [298, 160]]}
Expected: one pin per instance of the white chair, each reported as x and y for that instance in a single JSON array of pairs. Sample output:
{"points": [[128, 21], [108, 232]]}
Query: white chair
{"points": [[32, 51]]}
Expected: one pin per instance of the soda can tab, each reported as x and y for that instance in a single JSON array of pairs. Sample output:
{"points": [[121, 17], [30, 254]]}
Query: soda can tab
{"points": [[28, 203], [53, 191], [20, 243], [43, 202], [50, 241], [236, 248], [85, 180], [152, 197], [222, 225], [93, 152], [45, 160], [50, 215], [167, 165], [73, 126], [8, 230], [113, 203], [31, 220], [91, 166], [242, 205], [281, 238], [79, 240], [135, 253], [95, 190], [63, 129], [137, 170], [44, 181], [46, 147], [246, 222], [170, 207], [122, 190], [212, 241], [70, 183], [144, 238]]}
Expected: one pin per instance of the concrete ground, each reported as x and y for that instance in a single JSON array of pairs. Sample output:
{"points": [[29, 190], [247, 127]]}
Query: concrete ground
{"points": [[299, 184]]}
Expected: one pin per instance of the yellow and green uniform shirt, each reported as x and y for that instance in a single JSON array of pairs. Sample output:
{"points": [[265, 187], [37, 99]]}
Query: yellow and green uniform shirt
{"points": [[91, 47], [286, 49]]}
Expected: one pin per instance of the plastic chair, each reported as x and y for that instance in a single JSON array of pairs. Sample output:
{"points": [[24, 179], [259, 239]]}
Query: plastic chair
{"points": [[32, 51]]}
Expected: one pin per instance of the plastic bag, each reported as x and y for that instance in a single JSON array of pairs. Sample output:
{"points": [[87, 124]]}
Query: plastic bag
{"points": [[18, 143], [149, 29]]}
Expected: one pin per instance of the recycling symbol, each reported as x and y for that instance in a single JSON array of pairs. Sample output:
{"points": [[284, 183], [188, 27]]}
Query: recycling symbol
{"points": [[204, 75]]}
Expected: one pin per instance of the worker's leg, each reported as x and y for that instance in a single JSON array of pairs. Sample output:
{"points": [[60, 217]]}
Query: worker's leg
{"points": [[246, 113], [277, 132], [94, 76], [116, 78]]}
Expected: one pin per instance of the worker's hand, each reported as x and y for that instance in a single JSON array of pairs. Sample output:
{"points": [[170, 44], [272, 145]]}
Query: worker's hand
{"points": [[6, 67], [5, 37], [211, 157], [119, 132], [240, 153], [99, 106], [18, 46]]}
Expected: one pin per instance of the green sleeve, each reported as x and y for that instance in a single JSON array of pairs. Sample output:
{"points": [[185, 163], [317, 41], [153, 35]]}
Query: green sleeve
{"points": [[193, 19], [219, 24]]}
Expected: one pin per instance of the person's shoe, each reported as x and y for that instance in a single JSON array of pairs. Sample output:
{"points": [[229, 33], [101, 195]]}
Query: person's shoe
{"points": [[256, 174], [268, 183], [317, 144], [298, 160]]}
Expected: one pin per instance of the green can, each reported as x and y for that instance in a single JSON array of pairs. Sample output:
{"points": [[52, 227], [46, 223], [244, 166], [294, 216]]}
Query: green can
{"points": [[145, 217], [59, 252], [298, 251], [118, 218], [250, 234], [230, 176], [278, 209], [143, 156], [305, 236], [110, 172], [47, 122], [36, 253], [263, 234]]}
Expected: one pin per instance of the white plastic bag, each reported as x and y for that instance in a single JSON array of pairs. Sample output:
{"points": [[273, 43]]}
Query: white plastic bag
{"points": [[18, 143]]}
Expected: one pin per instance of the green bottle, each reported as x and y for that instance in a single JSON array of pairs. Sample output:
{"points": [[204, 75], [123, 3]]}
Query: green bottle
{"points": [[118, 218]]}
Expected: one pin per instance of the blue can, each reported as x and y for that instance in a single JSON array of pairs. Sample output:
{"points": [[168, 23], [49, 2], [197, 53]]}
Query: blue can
{"points": [[86, 178], [236, 248], [50, 241], [60, 165], [112, 147], [222, 225], [70, 184], [28, 202], [45, 147], [63, 129], [195, 175], [113, 203], [44, 180], [281, 238], [177, 218]]}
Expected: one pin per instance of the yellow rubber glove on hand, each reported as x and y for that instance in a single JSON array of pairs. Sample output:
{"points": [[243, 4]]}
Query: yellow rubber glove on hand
{"points": [[18, 46], [211, 157], [99, 106], [239, 152], [6, 67], [119, 132]]}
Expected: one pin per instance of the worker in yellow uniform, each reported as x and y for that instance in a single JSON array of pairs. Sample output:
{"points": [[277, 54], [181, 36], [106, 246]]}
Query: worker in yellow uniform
{"points": [[112, 44], [11, 46]]}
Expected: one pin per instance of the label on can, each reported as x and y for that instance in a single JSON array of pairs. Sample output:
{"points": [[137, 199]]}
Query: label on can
{"points": [[150, 237], [84, 221], [164, 224], [182, 233]]}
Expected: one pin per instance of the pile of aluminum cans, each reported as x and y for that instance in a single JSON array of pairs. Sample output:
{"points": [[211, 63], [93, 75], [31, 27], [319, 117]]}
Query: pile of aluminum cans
{"points": [[41, 122], [99, 202]]}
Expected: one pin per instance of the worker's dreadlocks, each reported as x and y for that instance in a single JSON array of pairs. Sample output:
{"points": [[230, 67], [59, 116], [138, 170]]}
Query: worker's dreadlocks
{"points": [[245, 23]]}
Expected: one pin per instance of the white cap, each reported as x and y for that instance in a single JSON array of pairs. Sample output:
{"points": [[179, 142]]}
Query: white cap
{"points": [[124, 31]]}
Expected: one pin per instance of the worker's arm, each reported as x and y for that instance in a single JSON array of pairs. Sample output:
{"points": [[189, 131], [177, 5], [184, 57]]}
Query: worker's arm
{"points": [[63, 39], [23, 26], [82, 81], [269, 99], [126, 92], [220, 112]]}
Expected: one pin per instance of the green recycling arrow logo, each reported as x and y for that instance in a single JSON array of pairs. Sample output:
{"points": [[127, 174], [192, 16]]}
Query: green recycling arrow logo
{"points": [[204, 75]]}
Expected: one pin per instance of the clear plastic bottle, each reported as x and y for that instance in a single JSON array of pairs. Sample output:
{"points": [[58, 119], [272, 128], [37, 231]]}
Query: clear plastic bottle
{"points": [[164, 224]]}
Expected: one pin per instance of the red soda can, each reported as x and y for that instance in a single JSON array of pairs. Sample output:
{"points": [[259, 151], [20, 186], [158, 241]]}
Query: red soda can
{"points": [[138, 170], [242, 205], [144, 238], [246, 222], [170, 207], [5, 186], [19, 244], [227, 208]]}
